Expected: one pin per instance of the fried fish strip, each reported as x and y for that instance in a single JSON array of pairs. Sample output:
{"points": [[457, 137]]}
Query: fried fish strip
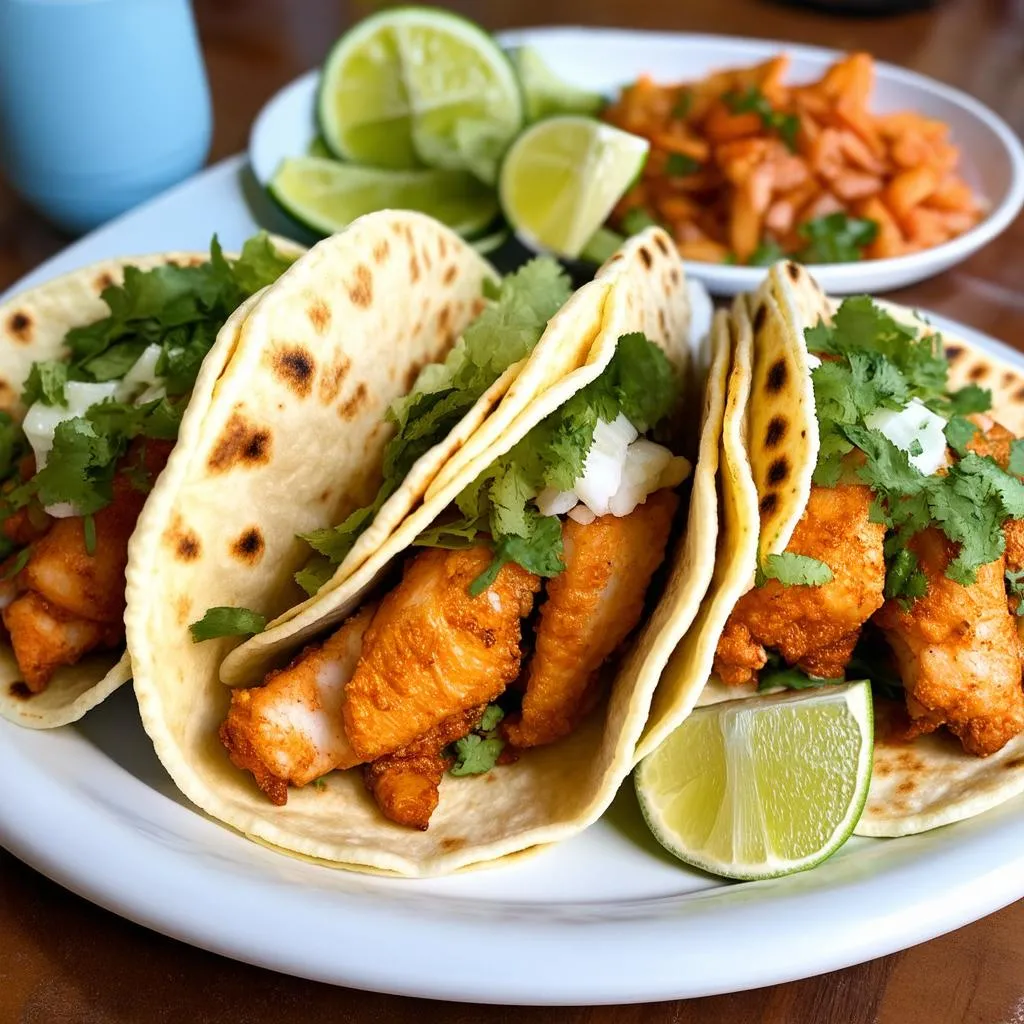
{"points": [[433, 650], [815, 628], [45, 637], [591, 607], [289, 730], [406, 784], [958, 651]]}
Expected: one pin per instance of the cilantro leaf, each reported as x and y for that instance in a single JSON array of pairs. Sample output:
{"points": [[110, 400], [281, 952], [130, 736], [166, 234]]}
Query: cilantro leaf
{"points": [[793, 570], [314, 574], [636, 220], [13, 445], [970, 398], [80, 468], [17, 564], [475, 755], [45, 382], [766, 254], [505, 332], [959, 434], [679, 165], [225, 621], [1015, 585], [752, 100], [1016, 465], [904, 578], [836, 238], [492, 716]]}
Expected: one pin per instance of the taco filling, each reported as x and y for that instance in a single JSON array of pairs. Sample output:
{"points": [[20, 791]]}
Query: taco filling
{"points": [[99, 426], [497, 636], [905, 564]]}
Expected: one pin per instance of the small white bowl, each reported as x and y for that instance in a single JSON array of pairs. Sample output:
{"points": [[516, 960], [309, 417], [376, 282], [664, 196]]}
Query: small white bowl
{"points": [[991, 156]]}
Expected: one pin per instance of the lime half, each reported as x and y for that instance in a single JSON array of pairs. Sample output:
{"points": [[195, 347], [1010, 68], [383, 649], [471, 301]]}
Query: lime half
{"points": [[544, 93], [418, 85], [561, 178], [326, 195], [762, 787]]}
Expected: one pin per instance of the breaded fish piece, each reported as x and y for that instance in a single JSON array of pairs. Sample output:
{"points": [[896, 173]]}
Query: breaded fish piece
{"points": [[406, 784], [995, 440], [289, 730], [45, 637], [958, 651], [815, 628], [433, 650], [591, 607]]}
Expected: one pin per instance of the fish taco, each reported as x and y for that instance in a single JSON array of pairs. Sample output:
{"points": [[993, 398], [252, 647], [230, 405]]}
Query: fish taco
{"points": [[476, 684], [879, 534], [96, 369]]}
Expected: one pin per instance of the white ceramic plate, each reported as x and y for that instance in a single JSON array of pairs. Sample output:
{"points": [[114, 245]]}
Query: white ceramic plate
{"points": [[605, 918], [992, 158]]}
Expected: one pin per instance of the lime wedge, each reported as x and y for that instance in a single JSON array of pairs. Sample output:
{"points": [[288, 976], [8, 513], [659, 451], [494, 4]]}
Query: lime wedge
{"points": [[561, 178], [417, 85], [601, 245], [762, 787], [544, 93], [326, 195]]}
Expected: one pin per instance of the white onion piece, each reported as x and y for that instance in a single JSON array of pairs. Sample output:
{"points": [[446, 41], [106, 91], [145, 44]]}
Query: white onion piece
{"points": [[553, 502], [914, 422]]}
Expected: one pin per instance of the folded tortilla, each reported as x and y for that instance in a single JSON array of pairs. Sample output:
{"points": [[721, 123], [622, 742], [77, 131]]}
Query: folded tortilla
{"points": [[916, 785], [552, 792], [33, 326]]}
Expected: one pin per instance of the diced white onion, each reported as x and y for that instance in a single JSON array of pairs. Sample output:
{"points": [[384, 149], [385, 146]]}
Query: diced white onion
{"points": [[142, 377], [813, 360], [914, 422], [553, 502]]}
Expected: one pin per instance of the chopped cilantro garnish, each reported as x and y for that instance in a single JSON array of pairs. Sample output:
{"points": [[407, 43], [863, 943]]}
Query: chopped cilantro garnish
{"points": [[639, 383], [89, 533], [836, 238], [1017, 457], [17, 564], [683, 104], [679, 165], [753, 101], [793, 570], [777, 673], [478, 752], [505, 332], [882, 364], [224, 621], [1015, 585], [178, 308]]}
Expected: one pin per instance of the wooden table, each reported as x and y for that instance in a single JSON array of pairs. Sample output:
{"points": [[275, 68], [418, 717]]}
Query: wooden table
{"points": [[63, 960]]}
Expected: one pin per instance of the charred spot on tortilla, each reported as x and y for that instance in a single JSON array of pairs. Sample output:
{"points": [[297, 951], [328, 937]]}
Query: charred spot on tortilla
{"points": [[331, 379], [414, 268], [351, 406], [768, 503], [324, 496], [20, 326], [882, 768], [778, 471], [319, 315], [241, 442], [1008, 378], [775, 432], [444, 315], [450, 274], [953, 353], [187, 546], [1014, 763], [425, 256], [906, 787], [103, 282], [977, 372], [777, 374], [296, 367], [380, 251], [674, 275], [662, 323], [1019, 394], [442, 246], [645, 257], [249, 546], [19, 691], [760, 315], [452, 843], [361, 291], [659, 241], [793, 270]]}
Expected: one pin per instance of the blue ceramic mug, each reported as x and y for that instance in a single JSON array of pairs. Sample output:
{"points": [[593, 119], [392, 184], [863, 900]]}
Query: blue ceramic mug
{"points": [[103, 104]]}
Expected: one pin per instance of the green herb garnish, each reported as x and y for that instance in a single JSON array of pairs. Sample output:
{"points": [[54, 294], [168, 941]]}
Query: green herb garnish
{"points": [[792, 570], [224, 621], [679, 165], [479, 751], [753, 101], [836, 238]]}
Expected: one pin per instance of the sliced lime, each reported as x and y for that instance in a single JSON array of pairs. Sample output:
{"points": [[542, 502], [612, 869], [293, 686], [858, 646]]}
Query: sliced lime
{"points": [[418, 85], [762, 787], [326, 195], [561, 178], [319, 148], [544, 93]]}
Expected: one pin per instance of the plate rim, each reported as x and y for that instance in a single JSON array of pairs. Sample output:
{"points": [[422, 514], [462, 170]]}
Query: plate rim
{"points": [[650, 956], [839, 277]]}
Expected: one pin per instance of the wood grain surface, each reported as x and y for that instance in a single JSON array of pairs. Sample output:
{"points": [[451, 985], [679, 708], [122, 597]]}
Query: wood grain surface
{"points": [[64, 960]]}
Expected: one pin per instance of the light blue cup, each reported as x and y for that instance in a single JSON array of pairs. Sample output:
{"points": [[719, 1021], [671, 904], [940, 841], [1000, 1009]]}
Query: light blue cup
{"points": [[103, 104]]}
